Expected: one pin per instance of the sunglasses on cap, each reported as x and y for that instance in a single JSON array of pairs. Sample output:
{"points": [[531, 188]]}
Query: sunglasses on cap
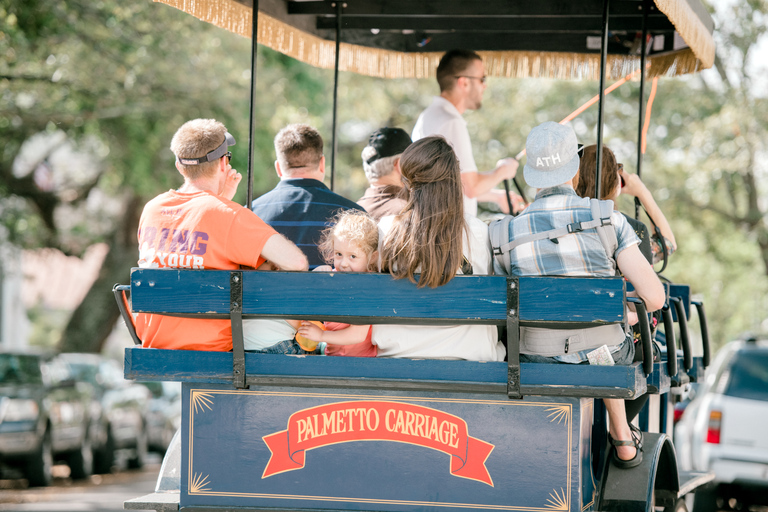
{"points": [[215, 154]]}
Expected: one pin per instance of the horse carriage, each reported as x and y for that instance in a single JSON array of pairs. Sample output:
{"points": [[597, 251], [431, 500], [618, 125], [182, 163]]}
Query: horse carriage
{"points": [[276, 432]]}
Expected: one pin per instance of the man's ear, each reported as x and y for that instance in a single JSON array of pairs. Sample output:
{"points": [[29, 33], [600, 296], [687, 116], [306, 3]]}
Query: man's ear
{"points": [[277, 168], [321, 165], [396, 166]]}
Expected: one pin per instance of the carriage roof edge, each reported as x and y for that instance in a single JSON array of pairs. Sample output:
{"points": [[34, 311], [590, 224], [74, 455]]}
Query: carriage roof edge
{"points": [[515, 40]]}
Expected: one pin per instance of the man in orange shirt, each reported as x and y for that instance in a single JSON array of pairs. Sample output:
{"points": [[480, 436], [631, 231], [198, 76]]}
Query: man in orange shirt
{"points": [[199, 227]]}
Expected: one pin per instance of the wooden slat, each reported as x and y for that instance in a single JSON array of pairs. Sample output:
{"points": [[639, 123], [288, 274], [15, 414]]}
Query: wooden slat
{"points": [[470, 376], [377, 297], [571, 299], [477, 299]]}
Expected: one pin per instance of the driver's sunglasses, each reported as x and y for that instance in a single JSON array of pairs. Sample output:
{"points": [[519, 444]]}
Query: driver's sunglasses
{"points": [[481, 78], [229, 156]]}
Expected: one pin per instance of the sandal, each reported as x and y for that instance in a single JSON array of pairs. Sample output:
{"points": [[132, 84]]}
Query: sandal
{"points": [[637, 442]]}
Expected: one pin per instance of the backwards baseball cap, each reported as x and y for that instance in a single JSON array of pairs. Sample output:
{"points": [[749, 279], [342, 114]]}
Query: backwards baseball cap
{"points": [[215, 154], [388, 142], [553, 155]]}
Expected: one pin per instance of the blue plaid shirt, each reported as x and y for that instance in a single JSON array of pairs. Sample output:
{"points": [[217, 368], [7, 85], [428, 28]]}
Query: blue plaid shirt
{"points": [[575, 254]]}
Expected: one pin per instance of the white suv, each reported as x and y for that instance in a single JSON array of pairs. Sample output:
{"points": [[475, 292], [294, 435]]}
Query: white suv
{"points": [[725, 429]]}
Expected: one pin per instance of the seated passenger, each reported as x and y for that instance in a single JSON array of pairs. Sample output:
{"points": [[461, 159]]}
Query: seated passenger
{"points": [[552, 163], [300, 206], [351, 244], [381, 163], [198, 226], [432, 240], [615, 181]]}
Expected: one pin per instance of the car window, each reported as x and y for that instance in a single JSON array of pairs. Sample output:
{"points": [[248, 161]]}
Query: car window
{"points": [[85, 372], [20, 369], [749, 376]]}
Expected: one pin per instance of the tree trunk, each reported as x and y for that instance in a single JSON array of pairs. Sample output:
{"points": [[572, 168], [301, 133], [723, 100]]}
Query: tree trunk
{"points": [[93, 320]]}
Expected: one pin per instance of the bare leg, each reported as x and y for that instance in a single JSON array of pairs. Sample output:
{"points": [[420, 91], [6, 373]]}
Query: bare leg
{"points": [[619, 428]]}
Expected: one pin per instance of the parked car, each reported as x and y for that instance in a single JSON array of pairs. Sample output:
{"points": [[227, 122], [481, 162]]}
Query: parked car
{"points": [[164, 415], [118, 414], [44, 417], [723, 428]]}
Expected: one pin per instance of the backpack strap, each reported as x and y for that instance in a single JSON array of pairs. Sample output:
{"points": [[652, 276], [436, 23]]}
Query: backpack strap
{"points": [[602, 211], [499, 235]]}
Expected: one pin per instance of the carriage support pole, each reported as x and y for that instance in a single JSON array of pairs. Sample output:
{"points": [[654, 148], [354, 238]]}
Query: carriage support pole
{"points": [[641, 117], [603, 59], [339, 8], [251, 142]]}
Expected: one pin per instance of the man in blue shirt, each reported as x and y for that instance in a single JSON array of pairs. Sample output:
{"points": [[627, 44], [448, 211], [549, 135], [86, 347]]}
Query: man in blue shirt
{"points": [[300, 206]]}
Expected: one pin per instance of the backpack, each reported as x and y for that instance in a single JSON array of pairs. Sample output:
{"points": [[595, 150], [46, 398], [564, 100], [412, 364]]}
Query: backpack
{"points": [[601, 220]]}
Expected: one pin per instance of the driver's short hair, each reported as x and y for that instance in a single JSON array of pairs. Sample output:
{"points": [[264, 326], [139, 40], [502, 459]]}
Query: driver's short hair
{"points": [[452, 64]]}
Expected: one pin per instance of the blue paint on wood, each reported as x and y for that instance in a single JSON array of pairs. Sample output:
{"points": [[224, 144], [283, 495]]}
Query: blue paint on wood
{"points": [[571, 299], [216, 367], [225, 466], [681, 291], [466, 299], [659, 380]]}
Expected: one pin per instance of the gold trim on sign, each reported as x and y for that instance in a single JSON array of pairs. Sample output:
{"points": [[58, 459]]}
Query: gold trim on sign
{"points": [[203, 400], [557, 502], [198, 483]]}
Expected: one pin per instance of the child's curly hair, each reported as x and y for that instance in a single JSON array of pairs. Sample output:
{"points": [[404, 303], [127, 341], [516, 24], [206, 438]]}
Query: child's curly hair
{"points": [[353, 226]]}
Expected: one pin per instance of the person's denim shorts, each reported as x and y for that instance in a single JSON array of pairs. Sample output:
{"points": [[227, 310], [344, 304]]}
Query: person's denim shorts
{"points": [[283, 347], [622, 356]]}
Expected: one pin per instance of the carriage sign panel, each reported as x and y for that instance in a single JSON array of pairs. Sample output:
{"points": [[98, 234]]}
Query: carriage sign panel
{"points": [[378, 451]]}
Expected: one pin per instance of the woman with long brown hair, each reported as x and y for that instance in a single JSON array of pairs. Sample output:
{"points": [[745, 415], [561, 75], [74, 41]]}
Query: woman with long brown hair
{"points": [[430, 242], [614, 182]]}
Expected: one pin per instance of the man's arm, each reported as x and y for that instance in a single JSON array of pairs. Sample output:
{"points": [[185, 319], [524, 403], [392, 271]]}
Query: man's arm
{"points": [[284, 254], [640, 273], [478, 183]]}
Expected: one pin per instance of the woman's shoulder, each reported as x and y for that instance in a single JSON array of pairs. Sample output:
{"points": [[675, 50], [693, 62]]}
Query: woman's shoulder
{"points": [[474, 224], [385, 223]]}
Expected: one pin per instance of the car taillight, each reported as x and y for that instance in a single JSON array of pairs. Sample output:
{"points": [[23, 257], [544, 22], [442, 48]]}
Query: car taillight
{"points": [[713, 428], [678, 413]]}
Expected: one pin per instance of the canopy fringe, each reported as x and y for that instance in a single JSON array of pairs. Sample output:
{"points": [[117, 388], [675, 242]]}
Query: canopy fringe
{"points": [[318, 52]]}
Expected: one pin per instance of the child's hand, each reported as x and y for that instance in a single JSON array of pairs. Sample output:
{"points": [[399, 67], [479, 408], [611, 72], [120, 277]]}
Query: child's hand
{"points": [[310, 331], [323, 268]]}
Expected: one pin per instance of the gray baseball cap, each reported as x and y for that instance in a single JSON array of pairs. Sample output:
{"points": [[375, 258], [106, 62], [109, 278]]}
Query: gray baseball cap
{"points": [[553, 155], [212, 155]]}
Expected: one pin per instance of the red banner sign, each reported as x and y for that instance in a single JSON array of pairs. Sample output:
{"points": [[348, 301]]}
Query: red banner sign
{"points": [[343, 422]]}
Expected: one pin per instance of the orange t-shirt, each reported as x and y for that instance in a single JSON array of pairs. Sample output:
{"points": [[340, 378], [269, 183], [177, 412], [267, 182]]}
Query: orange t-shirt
{"points": [[198, 231], [363, 349]]}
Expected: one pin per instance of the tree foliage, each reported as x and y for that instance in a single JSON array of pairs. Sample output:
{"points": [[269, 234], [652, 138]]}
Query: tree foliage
{"points": [[107, 83]]}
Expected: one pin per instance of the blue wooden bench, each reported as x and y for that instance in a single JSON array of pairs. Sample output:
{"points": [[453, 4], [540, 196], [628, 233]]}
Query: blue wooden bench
{"points": [[265, 431], [377, 298]]}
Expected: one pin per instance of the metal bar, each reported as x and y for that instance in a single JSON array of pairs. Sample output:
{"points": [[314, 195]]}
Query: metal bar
{"points": [[513, 338], [704, 332], [236, 319], [251, 142], [120, 290], [495, 23], [603, 59], [462, 8], [509, 201], [641, 116], [339, 7]]}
